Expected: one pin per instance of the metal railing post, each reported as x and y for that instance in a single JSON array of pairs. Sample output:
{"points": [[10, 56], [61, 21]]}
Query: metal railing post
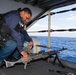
{"points": [[49, 27]]}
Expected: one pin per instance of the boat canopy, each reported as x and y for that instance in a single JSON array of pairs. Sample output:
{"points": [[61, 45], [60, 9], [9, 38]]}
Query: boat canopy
{"points": [[48, 4], [45, 5], [38, 7]]}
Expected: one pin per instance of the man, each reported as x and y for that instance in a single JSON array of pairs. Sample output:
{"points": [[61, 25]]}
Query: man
{"points": [[15, 22]]}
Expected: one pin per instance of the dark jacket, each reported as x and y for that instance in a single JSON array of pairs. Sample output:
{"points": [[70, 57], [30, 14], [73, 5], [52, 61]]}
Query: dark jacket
{"points": [[12, 20]]}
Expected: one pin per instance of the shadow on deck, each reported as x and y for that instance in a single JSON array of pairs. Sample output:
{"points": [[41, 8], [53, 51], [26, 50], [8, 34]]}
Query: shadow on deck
{"points": [[40, 67]]}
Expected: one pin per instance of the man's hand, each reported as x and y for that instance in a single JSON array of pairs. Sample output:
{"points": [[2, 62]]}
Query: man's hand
{"points": [[30, 44], [25, 55]]}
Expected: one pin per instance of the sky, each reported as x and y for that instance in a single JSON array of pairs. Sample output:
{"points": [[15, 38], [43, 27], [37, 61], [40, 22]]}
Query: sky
{"points": [[65, 20]]}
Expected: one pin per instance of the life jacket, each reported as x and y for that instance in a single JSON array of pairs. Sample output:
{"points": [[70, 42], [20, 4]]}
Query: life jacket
{"points": [[4, 32]]}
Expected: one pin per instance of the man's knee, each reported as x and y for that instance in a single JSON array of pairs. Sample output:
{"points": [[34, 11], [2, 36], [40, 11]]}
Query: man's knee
{"points": [[11, 43]]}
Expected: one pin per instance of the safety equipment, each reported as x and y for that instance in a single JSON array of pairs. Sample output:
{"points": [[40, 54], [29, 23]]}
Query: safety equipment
{"points": [[4, 32]]}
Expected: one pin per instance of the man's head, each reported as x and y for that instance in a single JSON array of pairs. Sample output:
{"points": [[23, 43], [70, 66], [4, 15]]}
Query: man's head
{"points": [[25, 14]]}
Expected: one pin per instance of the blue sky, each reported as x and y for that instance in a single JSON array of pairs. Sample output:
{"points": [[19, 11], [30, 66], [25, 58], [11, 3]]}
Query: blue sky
{"points": [[58, 21]]}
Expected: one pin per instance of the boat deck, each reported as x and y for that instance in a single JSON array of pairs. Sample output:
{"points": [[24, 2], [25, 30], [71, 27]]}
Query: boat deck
{"points": [[39, 67]]}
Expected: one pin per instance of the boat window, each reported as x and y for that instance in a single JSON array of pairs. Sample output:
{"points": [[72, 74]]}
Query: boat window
{"points": [[59, 39]]}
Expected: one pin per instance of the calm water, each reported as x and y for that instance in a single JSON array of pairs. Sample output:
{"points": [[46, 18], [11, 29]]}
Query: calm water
{"points": [[58, 43]]}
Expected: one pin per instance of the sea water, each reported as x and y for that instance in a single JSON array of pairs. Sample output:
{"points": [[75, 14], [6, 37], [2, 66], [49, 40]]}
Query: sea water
{"points": [[57, 43]]}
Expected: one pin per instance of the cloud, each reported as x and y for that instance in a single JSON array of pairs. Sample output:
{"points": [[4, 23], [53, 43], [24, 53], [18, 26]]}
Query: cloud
{"points": [[37, 27], [69, 18], [63, 21]]}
